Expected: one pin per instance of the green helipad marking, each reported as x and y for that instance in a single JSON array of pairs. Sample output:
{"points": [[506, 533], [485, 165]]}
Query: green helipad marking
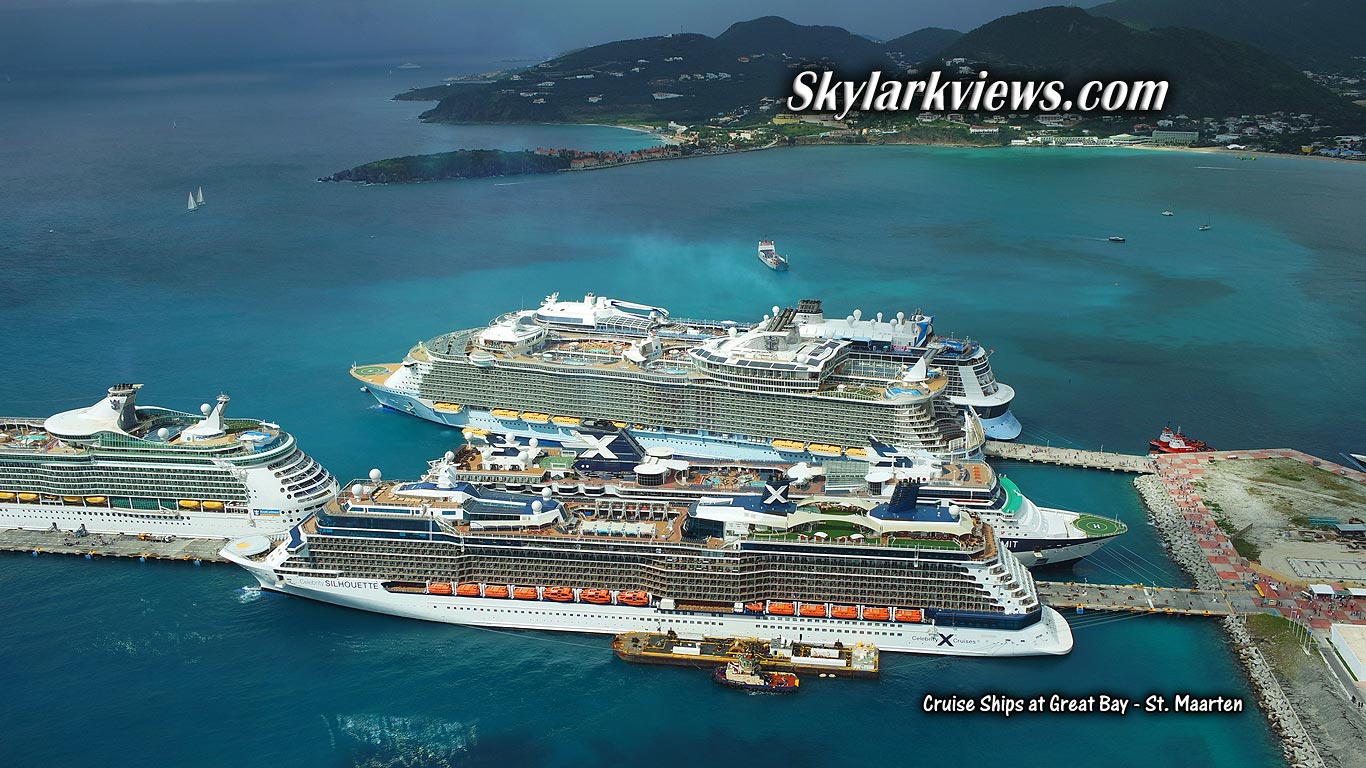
{"points": [[1098, 526], [370, 370], [1013, 495]]}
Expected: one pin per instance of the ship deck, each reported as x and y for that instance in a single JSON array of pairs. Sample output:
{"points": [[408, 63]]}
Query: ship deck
{"points": [[375, 373]]}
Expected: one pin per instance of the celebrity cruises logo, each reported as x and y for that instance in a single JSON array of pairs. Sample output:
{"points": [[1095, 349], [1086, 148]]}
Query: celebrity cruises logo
{"points": [[814, 91]]}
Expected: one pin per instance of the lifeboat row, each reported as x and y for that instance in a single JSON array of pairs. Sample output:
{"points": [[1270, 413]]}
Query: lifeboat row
{"points": [[98, 501], [821, 611], [213, 506], [556, 594]]}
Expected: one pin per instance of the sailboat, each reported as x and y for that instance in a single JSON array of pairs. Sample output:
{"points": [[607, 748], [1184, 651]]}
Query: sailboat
{"points": [[199, 197], [192, 203]]}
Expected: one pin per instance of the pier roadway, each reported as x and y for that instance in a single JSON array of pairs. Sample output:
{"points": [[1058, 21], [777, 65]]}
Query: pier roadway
{"points": [[1069, 457], [1068, 595], [110, 545]]}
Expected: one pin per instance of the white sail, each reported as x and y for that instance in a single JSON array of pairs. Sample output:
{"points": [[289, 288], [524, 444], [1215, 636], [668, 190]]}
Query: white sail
{"points": [[192, 202], [199, 198]]}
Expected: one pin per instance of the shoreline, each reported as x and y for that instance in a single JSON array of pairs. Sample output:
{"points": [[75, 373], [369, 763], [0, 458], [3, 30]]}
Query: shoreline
{"points": [[1184, 549]]}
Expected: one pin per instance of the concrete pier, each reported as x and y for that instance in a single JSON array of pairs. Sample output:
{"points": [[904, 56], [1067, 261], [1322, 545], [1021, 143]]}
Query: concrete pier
{"points": [[1069, 457], [110, 545], [1137, 598]]}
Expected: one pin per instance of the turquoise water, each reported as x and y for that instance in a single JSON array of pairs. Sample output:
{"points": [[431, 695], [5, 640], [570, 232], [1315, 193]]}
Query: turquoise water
{"points": [[1247, 335]]}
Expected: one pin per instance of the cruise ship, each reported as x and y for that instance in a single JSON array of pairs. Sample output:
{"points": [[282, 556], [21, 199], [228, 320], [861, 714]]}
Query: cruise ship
{"points": [[620, 475], [901, 575], [116, 467], [795, 386]]}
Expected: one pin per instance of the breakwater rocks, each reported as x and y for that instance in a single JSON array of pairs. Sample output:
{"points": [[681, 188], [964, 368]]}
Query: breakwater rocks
{"points": [[1299, 750], [1176, 534]]}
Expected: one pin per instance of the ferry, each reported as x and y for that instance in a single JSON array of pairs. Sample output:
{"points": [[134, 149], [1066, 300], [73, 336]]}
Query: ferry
{"points": [[620, 476], [117, 467], [920, 578], [768, 254], [707, 389]]}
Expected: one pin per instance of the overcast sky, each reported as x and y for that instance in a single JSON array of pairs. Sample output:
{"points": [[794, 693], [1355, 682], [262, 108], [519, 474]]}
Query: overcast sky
{"points": [[43, 34]]}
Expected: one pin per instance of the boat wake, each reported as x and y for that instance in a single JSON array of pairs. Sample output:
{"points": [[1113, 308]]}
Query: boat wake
{"points": [[383, 740]]}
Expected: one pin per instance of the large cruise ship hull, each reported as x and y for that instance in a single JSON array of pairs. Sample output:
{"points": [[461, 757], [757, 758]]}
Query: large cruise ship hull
{"points": [[1050, 636], [184, 524], [683, 444]]}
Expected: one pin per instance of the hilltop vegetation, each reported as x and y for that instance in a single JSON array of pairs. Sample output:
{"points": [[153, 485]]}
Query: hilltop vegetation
{"points": [[462, 164]]}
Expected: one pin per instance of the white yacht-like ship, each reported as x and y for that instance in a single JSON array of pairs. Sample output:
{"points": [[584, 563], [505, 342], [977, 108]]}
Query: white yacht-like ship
{"points": [[794, 386], [116, 467], [900, 575], [768, 254]]}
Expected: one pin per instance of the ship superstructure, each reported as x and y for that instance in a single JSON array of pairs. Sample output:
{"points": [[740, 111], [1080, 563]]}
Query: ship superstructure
{"points": [[116, 467], [793, 386], [901, 575]]}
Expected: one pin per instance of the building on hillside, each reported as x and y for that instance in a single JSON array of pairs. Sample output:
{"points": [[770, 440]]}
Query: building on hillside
{"points": [[1175, 138]]}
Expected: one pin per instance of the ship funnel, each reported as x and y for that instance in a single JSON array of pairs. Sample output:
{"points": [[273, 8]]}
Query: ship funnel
{"points": [[123, 399]]}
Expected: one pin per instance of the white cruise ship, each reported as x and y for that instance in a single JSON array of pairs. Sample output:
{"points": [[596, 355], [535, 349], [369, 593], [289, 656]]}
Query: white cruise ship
{"points": [[901, 576], [764, 392], [115, 467]]}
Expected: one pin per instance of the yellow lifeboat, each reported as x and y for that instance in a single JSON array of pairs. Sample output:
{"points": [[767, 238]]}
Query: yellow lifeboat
{"points": [[567, 421], [446, 407], [507, 414], [213, 505], [72, 499], [28, 497], [95, 499], [532, 417], [824, 449], [6, 496], [789, 446], [469, 432], [856, 453], [188, 504], [619, 424]]}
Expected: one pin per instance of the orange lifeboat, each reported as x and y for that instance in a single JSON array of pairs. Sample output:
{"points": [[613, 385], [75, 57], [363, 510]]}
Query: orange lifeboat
{"points": [[467, 590], [496, 590], [909, 615], [876, 614], [844, 612], [439, 588], [596, 596], [524, 593], [559, 594], [633, 597], [814, 609], [754, 607], [781, 609]]}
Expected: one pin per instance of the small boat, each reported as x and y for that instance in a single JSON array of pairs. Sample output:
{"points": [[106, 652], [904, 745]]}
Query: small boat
{"points": [[789, 446], [781, 609], [909, 615], [596, 596], [28, 497], [6, 496], [1174, 442], [506, 414], [633, 597], [619, 424], [1204, 227], [754, 607], [559, 594], [1115, 239], [468, 589], [1168, 213], [188, 504], [877, 614], [72, 499], [531, 417], [567, 421], [192, 206], [814, 610], [439, 588], [496, 590], [824, 449], [446, 407], [525, 593], [856, 453], [199, 198], [768, 254], [213, 505], [844, 612], [744, 674]]}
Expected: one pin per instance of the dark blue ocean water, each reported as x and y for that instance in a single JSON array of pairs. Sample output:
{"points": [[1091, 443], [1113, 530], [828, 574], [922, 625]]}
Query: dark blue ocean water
{"points": [[1248, 335]]}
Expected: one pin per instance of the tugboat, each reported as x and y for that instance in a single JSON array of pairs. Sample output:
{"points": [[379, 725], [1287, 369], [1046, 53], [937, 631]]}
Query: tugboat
{"points": [[1175, 442], [768, 254], [743, 673]]}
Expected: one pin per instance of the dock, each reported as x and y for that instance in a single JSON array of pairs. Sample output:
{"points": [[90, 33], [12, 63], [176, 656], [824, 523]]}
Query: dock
{"points": [[1135, 598], [1070, 457], [93, 545]]}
